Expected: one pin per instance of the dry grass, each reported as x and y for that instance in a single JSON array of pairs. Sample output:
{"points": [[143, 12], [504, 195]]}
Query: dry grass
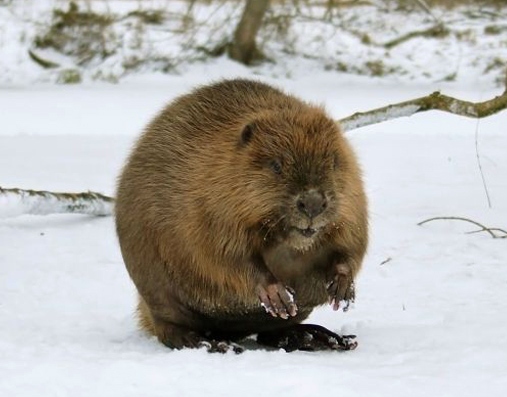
{"points": [[82, 34], [89, 37], [454, 3]]}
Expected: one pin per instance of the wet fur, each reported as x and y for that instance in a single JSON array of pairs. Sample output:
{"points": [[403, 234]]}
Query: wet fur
{"points": [[198, 199]]}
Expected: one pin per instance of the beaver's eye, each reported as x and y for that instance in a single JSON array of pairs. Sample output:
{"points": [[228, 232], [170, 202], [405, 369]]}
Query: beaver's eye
{"points": [[276, 166]]}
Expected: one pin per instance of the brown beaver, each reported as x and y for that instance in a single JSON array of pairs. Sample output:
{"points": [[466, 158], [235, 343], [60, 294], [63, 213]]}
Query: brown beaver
{"points": [[240, 209]]}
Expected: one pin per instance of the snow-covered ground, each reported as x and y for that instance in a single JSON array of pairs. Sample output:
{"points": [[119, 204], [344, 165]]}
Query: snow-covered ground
{"points": [[117, 42], [430, 321], [432, 300]]}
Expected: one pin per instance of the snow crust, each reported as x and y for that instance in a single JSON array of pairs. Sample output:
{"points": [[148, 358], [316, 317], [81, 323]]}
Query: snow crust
{"points": [[430, 321]]}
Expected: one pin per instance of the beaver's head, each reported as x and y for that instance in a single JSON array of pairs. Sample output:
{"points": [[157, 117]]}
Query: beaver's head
{"points": [[295, 166]]}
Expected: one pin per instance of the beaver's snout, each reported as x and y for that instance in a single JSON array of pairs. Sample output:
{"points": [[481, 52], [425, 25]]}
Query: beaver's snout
{"points": [[311, 203]]}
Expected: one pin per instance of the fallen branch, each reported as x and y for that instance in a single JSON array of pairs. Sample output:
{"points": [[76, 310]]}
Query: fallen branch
{"points": [[14, 202], [434, 101], [435, 31], [41, 61], [483, 228]]}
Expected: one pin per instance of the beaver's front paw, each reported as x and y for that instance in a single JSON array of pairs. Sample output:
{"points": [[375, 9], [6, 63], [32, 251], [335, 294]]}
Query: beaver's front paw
{"points": [[277, 299], [341, 287]]}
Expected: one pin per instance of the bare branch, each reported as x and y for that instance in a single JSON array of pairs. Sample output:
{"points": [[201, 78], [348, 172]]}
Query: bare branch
{"points": [[15, 202], [41, 61], [479, 163], [434, 101], [483, 228], [491, 229], [426, 7], [435, 31]]}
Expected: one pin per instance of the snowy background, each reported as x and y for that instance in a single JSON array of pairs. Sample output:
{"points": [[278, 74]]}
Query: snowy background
{"points": [[110, 40], [431, 321]]}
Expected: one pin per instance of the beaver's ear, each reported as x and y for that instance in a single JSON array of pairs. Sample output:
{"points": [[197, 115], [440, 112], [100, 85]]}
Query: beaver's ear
{"points": [[247, 134]]}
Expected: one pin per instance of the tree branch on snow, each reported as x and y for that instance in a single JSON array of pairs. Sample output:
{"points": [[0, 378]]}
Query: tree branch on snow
{"points": [[41, 61], [438, 30], [434, 101], [14, 202], [389, 259], [426, 7], [493, 232]]}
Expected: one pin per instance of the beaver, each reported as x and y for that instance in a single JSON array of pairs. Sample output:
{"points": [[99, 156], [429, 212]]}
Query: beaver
{"points": [[240, 209]]}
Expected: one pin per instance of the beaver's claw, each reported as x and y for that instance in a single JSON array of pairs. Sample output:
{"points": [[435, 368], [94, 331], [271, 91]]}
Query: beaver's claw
{"points": [[277, 300]]}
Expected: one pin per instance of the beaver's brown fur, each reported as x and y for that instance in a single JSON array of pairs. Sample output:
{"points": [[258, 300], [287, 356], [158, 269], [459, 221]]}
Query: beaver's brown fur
{"points": [[235, 197]]}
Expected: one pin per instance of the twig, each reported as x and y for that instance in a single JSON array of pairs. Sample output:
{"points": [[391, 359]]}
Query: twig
{"points": [[480, 164], [43, 202], [435, 31], [389, 259], [492, 229], [434, 101], [41, 61], [483, 228], [427, 8], [35, 202]]}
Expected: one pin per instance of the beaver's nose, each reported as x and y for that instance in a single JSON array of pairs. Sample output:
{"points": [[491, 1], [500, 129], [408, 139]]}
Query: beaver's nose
{"points": [[311, 203]]}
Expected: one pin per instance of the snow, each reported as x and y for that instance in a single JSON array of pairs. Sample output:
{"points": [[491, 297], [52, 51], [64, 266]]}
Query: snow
{"points": [[307, 40], [431, 300], [430, 320]]}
